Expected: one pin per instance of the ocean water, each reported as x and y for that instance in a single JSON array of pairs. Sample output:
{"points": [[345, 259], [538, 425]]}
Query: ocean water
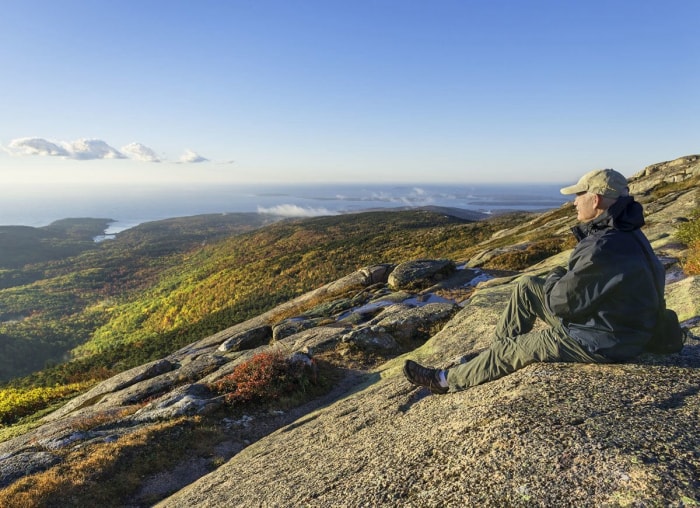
{"points": [[128, 206]]}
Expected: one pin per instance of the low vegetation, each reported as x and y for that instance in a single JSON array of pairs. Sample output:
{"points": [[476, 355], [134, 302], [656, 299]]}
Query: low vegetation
{"points": [[689, 234], [81, 478], [16, 403], [267, 377]]}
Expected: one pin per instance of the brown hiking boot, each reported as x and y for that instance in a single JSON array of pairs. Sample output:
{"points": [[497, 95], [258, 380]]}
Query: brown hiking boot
{"points": [[423, 376]]}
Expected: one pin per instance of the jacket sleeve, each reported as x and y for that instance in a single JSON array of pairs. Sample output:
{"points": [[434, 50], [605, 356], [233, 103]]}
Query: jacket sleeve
{"points": [[553, 277], [592, 275]]}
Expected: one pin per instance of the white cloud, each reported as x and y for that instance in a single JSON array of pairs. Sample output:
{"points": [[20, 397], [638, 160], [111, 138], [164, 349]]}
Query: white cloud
{"points": [[36, 146], [295, 211], [89, 149], [81, 149], [190, 156], [140, 152]]}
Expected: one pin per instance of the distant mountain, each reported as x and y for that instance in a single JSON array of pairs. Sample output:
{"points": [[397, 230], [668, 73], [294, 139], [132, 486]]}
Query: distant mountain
{"points": [[22, 245]]}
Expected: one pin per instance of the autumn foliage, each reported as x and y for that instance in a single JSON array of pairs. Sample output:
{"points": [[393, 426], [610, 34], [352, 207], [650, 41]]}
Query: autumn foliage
{"points": [[16, 403], [266, 376], [689, 233]]}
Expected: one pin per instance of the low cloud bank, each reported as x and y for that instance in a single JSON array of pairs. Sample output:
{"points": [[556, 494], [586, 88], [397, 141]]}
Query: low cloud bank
{"points": [[295, 211], [91, 149], [417, 196]]}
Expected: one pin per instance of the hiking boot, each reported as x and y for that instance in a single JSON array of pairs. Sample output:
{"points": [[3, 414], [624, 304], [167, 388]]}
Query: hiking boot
{"points": [[423, 376]]}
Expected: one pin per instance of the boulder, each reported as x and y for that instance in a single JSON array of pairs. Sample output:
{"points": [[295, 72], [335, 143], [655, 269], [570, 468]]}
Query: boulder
{"points": [[406, 323], [421, 273], [371, 339], [291, 326], [186, 400], [247, 339]]}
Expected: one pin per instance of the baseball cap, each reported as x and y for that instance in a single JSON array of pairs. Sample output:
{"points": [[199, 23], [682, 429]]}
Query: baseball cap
{"points": [[606, 182]]}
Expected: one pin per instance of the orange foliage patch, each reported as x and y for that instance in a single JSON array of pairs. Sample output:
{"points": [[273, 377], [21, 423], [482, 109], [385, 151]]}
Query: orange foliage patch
{"points": [[265, 376]]}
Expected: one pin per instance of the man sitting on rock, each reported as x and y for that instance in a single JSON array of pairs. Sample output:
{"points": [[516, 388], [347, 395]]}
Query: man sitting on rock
{"points": [[600, 309]]}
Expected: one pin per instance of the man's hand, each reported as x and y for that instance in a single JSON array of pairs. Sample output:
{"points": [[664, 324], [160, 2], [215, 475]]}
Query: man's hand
{"points": [[557, 273], [553, 277]]}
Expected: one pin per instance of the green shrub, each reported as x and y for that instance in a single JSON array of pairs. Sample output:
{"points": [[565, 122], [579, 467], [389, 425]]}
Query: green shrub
{"points": [[689, 234]]}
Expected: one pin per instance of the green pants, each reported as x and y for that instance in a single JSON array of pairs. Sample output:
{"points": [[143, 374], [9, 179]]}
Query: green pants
{"points": [[516, 345]]}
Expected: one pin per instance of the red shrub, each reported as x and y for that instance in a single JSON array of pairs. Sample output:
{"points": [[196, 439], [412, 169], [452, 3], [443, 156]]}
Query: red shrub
{"points": [[265, 376]]}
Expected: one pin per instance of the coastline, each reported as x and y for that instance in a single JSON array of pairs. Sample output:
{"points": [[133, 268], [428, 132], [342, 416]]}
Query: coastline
{"points": [[129, 206]]}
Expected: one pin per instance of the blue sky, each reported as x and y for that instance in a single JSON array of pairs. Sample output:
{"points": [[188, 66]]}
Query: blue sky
{"points": [[316, 91]]}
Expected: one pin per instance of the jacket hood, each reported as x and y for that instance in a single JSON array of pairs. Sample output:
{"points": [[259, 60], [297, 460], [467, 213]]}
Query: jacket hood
{"points": [[624, 215]]}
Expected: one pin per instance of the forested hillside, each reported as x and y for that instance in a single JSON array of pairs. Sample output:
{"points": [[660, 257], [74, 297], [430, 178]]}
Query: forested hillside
{"points": [[55, 280], [23, 245]]}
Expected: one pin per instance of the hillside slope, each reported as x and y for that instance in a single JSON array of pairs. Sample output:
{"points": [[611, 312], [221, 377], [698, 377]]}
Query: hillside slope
{"points": [[585, 435]]}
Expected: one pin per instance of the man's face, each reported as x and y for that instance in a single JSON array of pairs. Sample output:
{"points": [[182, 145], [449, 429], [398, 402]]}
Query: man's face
{"points": [[585, 204]]}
